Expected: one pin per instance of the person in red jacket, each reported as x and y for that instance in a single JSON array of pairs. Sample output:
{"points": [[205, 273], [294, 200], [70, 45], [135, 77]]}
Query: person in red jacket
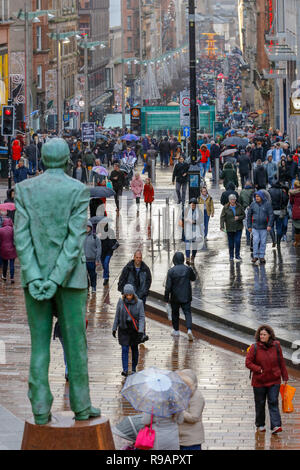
{"points": [[266, 362], [16, 151], [7, 249], [204, 157], [148, 192]]}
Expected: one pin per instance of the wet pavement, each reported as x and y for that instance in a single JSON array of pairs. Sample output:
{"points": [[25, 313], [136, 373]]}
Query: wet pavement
{"points": [[240, 291]]}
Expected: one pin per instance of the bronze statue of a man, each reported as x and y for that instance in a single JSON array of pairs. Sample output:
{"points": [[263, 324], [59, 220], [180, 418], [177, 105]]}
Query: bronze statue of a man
{"points": [[50, 225]]}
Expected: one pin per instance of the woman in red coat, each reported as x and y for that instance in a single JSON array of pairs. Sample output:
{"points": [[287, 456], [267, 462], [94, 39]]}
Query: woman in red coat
{"points": [[148, 192], [265, 360], [204, 157], [7, 248]]}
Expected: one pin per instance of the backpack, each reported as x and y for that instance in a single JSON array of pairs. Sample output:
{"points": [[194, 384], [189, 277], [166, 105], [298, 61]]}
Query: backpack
{"points": [[255, 349]]}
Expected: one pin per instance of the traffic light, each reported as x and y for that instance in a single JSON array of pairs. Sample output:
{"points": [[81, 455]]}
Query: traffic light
{"points": [[8, 120]]}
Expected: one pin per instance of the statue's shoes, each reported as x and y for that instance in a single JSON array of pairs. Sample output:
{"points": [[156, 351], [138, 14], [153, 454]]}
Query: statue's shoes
{"points": [[42, 419], [90, 412]]}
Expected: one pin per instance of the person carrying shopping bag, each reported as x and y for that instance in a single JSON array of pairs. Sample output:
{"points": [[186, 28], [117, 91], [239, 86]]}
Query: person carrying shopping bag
{"points": [[130, 323], [266, 362]]}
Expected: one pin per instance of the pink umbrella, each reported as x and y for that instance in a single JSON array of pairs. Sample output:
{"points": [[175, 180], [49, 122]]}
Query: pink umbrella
{"points": [[7, 206]]}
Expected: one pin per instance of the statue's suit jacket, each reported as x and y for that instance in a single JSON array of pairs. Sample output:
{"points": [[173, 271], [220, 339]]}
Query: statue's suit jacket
{"points": [[50, 228]]}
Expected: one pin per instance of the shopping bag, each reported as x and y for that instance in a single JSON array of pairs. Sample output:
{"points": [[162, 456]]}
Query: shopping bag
{"points": [[287, 394], [145, 438]]}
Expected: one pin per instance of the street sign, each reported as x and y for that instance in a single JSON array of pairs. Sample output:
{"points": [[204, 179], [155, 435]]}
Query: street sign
{"points": [[135, 120], [185, 109], [186, 131], [88, 132]]}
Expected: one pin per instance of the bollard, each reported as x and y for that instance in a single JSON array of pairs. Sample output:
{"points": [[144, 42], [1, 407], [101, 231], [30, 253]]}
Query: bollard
{"points": [[153, 172], [158, 243], [217, 169]]}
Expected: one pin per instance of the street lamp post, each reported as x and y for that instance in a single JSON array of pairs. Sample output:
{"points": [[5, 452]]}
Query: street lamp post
{"points": [[193, 88]]}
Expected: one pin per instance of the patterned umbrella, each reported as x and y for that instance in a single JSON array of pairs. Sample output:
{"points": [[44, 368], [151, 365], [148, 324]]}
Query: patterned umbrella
{"points": [[100, 170], [157, 391], [130, 137]]}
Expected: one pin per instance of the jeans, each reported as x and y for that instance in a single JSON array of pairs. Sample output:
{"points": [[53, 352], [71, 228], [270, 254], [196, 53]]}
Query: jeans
{"points": [[91, 269], [188, 253], [260, 396], [234, 243], [181, 192], [244, 178], [32, 166], [278, 222], [186, 308], [285, 222], [117, 196], [135, 357], [206, 220], [11, 267], [259, 243], [105, 264], [203, 167], [164, 159]]}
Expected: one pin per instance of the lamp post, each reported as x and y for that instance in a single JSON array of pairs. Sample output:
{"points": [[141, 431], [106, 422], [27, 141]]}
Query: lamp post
{"points": [[29, 17], [86, 46], [193, 88]]}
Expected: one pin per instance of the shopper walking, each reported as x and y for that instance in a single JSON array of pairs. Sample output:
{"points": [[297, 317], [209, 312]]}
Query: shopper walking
{"points": [[206, 202], [295, 202], [92, 251], [137, 187], [232, 217], [8, 252], [180, 175], [178, 293], [129, 322], [138, 274], [266, 362], [260, 221]]}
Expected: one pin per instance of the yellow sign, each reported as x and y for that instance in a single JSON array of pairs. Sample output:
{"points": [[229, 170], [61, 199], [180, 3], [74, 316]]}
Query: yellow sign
{"points": [[260, 112], [179, 137]]}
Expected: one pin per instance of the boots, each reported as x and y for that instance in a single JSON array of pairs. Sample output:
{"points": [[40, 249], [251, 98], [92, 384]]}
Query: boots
{"points": [[297, 240], [278, 241]]}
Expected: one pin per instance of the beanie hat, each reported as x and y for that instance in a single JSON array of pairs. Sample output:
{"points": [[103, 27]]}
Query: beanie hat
{"points": [[55, 153], [128, 290]]}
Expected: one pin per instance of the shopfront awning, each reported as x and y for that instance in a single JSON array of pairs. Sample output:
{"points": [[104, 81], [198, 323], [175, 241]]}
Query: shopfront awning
{"points": [[101, 99], [280, 53]]}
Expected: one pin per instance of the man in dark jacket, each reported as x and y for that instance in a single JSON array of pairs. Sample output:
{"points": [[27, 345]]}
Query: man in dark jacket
{"points": [[138, 274], [292, 169], [229, 175], [117, 178], [279, 201], [260, 176], [258, 153], [164, 150], [92, 251], [260, 221], [244, 167], [232, 217], [178, 286], [22, 172], [230, 189], [180, 174], [33, 154], [215, 152]]}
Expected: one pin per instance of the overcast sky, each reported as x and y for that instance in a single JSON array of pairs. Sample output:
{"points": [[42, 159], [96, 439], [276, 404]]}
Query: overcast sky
{"points": [[115, 14]]}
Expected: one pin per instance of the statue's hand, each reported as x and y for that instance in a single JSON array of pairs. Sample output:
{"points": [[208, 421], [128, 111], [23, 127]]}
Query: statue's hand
{"points": [[35, 288], [42, 290]]}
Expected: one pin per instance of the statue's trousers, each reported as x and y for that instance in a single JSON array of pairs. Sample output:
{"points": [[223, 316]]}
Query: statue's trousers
{"points": [[71, 308]]}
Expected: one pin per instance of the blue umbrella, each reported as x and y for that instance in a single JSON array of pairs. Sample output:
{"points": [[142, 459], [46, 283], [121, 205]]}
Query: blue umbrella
{"points": [[130, 137], [157, 391]]}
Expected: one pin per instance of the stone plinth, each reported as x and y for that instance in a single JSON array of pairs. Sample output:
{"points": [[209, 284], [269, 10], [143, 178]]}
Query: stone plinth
{"points": [[64, 433]]}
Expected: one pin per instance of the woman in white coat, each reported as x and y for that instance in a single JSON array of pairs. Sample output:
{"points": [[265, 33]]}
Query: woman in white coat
{"points": [[193, 231]]}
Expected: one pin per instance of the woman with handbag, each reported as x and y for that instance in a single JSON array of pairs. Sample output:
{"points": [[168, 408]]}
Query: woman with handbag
{"points": [[266, 362], [130, 323]]}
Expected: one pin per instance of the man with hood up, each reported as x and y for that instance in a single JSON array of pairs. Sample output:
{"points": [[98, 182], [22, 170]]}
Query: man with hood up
{"points": [[229, 175], [178, 292], [260, 220]]}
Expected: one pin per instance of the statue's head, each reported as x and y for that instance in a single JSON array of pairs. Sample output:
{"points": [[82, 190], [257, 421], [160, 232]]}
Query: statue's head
{"points": [[55, 153]]}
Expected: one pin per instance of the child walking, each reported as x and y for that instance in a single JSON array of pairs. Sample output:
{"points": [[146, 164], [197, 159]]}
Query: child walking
{"points": [[148, 192]]}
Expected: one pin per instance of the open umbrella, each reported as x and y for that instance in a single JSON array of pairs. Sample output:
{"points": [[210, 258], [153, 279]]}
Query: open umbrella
{"points": [[101, 136], [100, 170], [228, 152], [7, 206], [157, 391], [100, 192], [130, 137], [238, 141]]}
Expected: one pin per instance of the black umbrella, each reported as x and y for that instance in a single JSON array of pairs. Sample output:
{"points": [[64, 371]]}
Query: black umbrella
{"points": [[238, 141], [101, 192]]}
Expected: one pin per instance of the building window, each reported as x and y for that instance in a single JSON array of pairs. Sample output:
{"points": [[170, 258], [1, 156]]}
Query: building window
{"points": [[38, 4], [129, 23], [39, 76], [129, 68], [129, 44], [39, 38], [128, 3]]}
